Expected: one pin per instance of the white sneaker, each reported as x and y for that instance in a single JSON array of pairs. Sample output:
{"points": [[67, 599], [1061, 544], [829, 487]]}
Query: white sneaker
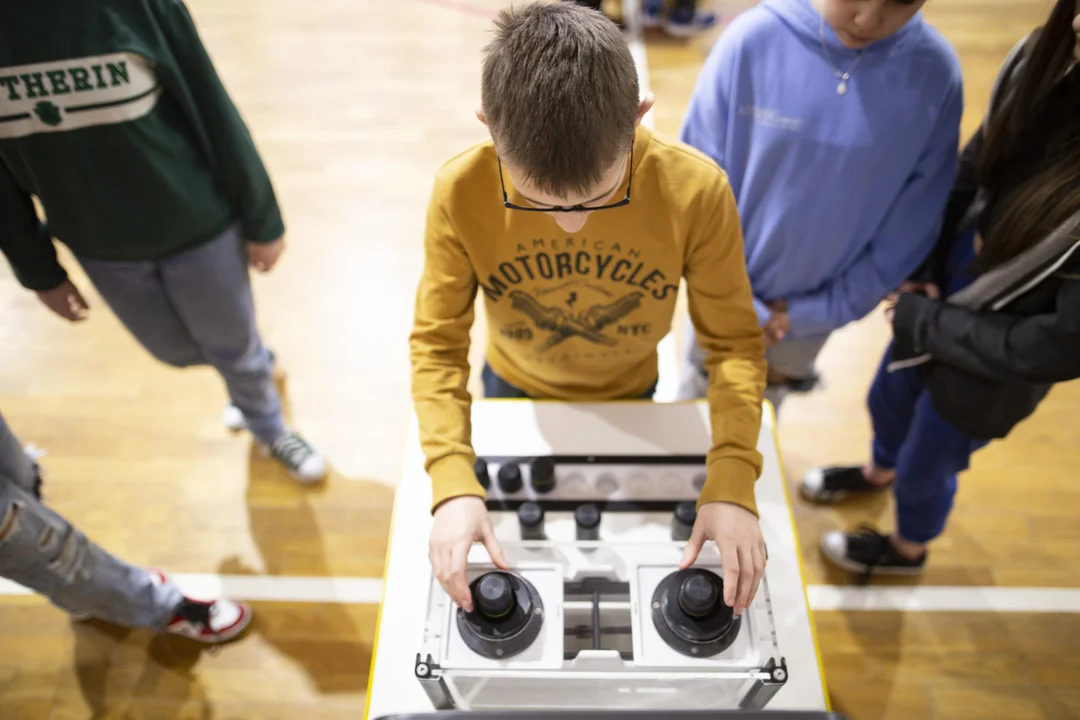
{"points": [[233, 419], [301, 460], [211, 622]]}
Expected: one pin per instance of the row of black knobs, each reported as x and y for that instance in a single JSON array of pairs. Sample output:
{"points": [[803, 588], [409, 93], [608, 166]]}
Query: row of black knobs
{"points": [[587, 521], [541, 475]]}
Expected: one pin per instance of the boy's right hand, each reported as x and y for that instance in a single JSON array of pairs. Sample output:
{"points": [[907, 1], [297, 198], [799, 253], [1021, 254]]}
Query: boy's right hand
{"points": [[459, 522], [778, 324], [66, 301]]}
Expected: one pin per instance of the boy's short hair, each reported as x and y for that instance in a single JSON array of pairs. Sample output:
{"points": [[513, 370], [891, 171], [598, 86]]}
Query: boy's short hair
{"points": [[560, 94]]}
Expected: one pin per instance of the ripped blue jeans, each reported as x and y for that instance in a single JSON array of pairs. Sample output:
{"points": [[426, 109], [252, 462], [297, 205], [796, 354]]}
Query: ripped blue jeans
{"points": [[42, 551]]}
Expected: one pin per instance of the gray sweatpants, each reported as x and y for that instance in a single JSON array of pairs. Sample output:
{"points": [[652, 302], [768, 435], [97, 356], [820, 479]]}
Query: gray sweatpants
{"points": [[42, 551], [197, 309], [792, 358]]}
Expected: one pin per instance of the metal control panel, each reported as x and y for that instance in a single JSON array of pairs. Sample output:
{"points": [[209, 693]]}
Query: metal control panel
{"points": [[655, 482]]}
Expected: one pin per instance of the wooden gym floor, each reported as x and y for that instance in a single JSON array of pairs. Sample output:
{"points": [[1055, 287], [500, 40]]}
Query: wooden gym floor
{"points": [[355, 106]]}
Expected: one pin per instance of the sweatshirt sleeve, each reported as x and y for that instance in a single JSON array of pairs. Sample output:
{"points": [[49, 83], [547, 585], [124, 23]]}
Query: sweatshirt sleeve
{"points": [[705, 123], [24, 240], [722, 310], [237, 165], [998, 346], [964, 191], [439, 350], [905, 238]]}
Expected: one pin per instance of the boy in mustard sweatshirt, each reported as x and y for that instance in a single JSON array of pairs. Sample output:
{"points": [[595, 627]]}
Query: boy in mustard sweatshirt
{"points": [[577, 224]]}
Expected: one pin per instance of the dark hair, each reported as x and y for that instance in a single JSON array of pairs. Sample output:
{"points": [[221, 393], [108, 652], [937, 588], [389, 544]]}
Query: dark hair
{"points": [[560, 94], [1050, 192]]}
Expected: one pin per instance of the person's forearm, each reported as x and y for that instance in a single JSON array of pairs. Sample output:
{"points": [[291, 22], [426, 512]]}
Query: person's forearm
{"points": [[24, 240], [442, 406], [997, 346]]}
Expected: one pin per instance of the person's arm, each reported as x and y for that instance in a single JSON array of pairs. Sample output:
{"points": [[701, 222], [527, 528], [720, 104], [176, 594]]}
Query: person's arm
{"points": [[705, 123], [998, 346], [964, 191], [24, 239], [236, 162], [439, 348], [905, 238], [966, 186], [722, 310]]}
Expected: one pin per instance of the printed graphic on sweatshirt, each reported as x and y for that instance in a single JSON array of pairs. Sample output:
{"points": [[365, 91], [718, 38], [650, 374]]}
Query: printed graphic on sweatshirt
{"points": [[577, 295], [562, 324], [74, 94]]}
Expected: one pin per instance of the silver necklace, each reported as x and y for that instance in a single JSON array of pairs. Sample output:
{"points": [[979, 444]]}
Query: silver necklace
{"points": [[841, 88]]}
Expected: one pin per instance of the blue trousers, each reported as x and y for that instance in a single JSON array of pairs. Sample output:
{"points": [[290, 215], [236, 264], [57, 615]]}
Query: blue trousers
{"points": [[926, 452], [197, 309], [496, 387], [911, 438]]}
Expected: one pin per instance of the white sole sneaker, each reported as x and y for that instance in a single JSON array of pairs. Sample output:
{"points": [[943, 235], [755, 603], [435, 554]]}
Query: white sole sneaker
{"points": [[299, 458], [834, 546], [233, 419]]}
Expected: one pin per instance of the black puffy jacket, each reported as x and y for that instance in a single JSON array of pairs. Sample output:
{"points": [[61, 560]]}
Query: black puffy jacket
{"points": [[990, 369]]}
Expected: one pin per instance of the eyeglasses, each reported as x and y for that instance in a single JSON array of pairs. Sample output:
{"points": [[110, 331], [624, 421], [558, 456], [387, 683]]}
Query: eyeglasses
{"points": [[576, 208]]}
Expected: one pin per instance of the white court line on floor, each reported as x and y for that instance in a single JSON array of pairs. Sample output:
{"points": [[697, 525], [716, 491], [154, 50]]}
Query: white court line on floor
{"points": [[945, 599], [358, 591], [823, 598]]}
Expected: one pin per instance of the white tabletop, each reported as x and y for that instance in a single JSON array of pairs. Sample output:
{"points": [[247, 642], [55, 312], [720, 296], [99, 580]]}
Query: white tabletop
{"points": [[520, 427]]}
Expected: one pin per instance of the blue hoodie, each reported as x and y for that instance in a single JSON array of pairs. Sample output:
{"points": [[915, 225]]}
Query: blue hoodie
{"points": [[840, 197]]}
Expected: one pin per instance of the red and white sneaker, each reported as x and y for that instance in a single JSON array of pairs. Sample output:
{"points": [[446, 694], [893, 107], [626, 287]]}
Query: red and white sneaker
{"points": [[212, 622]]}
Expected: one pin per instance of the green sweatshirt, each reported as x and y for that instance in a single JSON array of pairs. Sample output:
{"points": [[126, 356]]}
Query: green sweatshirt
{"points": [[112, 115]]}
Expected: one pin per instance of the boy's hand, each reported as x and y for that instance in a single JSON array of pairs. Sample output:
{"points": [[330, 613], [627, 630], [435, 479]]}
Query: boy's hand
{"points": [[264, 256], [737, 533], [459, 522], [779, 324], [66, 301], [930, 290]]}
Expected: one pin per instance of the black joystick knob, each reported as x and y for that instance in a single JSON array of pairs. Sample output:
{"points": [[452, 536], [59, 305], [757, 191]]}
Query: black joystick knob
{"points": [[507, 615], [510, 478], [698, 596], [531, 520], [542, 474], [682, 523], [690, 614], [587, 519], [482, 476], [494, 596]]}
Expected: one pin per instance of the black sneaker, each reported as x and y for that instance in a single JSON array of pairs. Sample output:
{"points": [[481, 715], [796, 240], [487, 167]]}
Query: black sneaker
{"points": [[828, 485], [867, 552], [301, 460]]}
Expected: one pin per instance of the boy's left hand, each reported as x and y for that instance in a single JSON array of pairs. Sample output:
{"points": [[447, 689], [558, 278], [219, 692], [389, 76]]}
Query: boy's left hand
{"points": [[737, 533], [264, 256]]}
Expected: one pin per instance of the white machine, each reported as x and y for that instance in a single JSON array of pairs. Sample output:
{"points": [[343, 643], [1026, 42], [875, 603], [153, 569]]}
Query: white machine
{"points": [[592, 504], [595, 612]]}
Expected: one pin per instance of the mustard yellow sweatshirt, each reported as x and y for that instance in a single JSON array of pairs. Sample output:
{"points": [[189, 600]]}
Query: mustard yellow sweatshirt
{"points": [[578, 317]]}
